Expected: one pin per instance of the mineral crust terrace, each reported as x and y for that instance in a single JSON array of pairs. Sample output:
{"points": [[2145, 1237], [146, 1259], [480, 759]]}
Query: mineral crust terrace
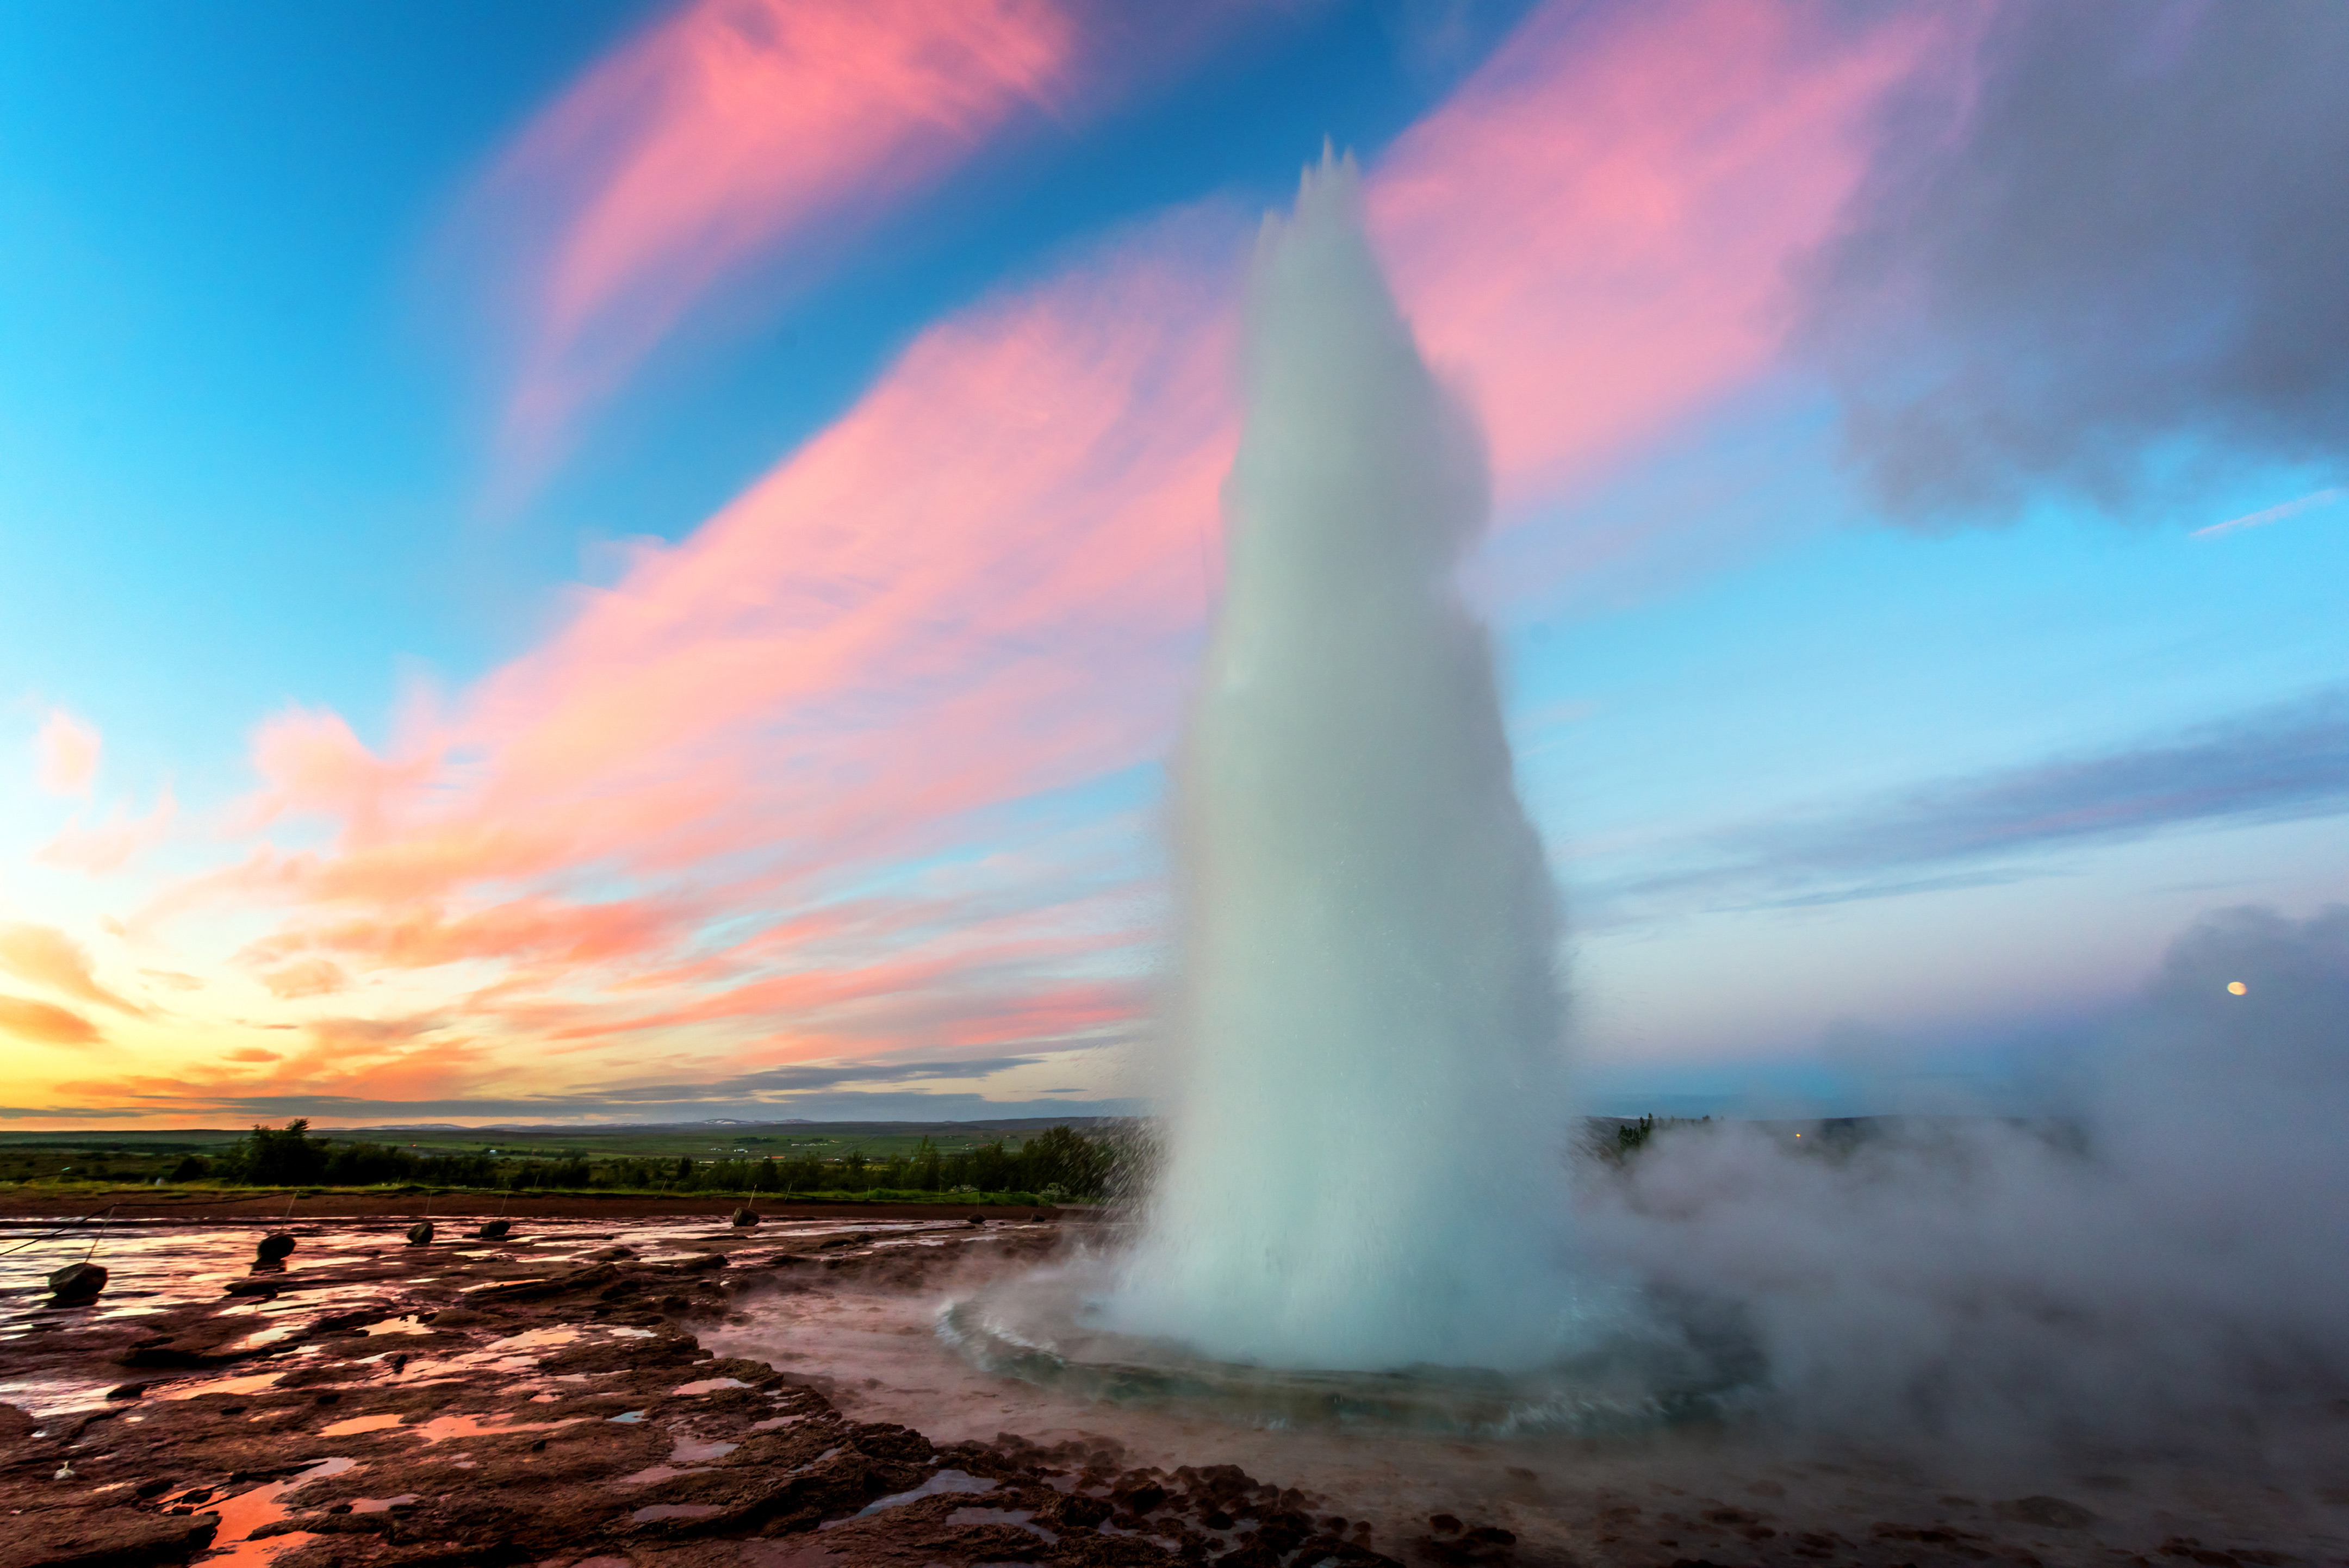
{"points": [[477, 1410], [468, 1405]]}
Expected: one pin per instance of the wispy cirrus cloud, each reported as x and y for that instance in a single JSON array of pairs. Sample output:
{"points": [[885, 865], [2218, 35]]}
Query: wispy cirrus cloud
{"points": [[729, 802], [110, 844], [66, 751], [2267, 515], [735, 130], [45, 1023], [880, 1107], [48, 957], [2277, 763]]}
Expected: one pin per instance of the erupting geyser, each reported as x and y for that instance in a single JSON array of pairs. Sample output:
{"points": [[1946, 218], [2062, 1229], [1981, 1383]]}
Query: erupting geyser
{"points": [[1362, 1165]]}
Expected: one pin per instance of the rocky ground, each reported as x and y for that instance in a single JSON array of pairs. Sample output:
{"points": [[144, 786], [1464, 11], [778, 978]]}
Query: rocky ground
{"points": [[134, 1206], [549, 1401]]}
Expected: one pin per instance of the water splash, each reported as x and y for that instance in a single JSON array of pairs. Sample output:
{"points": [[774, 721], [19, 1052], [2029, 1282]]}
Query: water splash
{"points": [[1363, 1168]]}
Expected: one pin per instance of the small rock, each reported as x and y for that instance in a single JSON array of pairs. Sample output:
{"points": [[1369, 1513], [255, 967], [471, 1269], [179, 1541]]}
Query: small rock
{"points": [[420, 1234], [76, 1282], [2053, 1512], [273, 1249]]}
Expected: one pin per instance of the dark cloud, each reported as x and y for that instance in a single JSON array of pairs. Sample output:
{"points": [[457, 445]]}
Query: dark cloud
{"points": [[798, 1079], [2272, 764], [2119, 237]]}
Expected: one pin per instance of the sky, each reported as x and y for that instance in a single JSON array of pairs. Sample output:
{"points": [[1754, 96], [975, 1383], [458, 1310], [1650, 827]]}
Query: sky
{"points": [[641, 561]]}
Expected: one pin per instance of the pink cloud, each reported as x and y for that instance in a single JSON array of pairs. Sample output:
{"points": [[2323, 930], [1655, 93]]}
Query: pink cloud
{"points": [[419, 938], [65, 752], [740, 129], [111, 844], [1595, 231], [310, 978], [47, 956], [987, 581]]}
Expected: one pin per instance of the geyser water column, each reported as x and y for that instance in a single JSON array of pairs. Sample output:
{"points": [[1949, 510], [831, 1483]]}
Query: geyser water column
{"points": [[1362, 1165]]}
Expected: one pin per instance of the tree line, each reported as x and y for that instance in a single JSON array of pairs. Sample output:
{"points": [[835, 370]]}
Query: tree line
{"points": [[1060, 1163]]}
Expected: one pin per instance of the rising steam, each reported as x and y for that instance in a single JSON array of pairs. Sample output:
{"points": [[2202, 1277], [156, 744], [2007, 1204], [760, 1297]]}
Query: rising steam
{"points": [[2166, 1268]]}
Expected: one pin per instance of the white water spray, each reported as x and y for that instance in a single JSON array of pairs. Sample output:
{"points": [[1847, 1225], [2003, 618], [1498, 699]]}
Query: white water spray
{"points": [[1363, 1167]]}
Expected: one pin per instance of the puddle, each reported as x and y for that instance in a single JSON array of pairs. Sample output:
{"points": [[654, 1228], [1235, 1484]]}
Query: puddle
{"points": [[440, 1428], [689, 1449], [650, 1474], [383, 1504], [398, 1325], [252, 1383], [359, 1423], [945, 1481], [709, 1386], [42, 1398], [535, 1339], [243, 1514], [627, 1417], [1022, 1517]]}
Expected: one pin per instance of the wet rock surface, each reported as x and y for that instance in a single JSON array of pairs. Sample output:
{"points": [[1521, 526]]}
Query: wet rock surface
{"points": [[553, 1402]]}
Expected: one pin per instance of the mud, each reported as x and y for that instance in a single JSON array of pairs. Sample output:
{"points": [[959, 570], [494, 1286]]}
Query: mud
{"points": [[586, 1397]]}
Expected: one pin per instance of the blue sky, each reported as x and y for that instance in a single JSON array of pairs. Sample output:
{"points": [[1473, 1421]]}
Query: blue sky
{"points": [[1826, 769]]}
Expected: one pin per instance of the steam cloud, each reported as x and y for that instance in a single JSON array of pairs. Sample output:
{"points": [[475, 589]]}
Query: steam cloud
{"points": [[2116, 241], [2179, 1269]]}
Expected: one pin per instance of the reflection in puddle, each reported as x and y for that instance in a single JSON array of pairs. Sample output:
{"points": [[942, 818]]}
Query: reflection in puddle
{"points": [[241, 1515], [440, 1428], [945, 1481], [1022, 1517], [252, 1383], [160, 1266], [399, 1326], [650, 1474], [685, 1455]]}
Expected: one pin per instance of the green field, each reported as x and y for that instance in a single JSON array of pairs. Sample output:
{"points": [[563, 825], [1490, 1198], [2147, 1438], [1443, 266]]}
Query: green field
{"points": [[1021, 1160]]}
